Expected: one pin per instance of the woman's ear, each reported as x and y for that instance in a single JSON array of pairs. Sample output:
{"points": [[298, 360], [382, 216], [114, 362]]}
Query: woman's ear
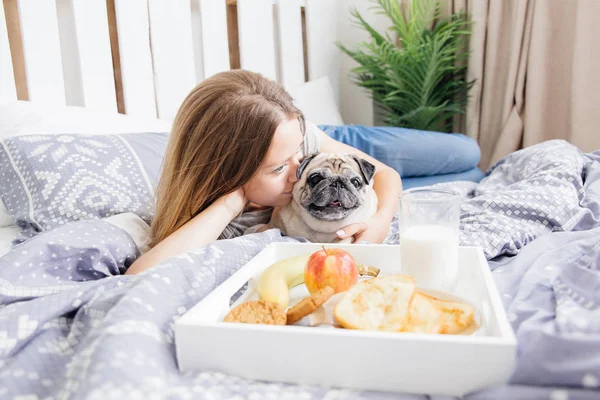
{"points": [[304, 163]]}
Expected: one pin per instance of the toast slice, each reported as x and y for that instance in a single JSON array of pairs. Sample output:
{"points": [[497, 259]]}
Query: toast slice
{"points": [[431, 315], [377, 304], [425, 316], [457, 316]]}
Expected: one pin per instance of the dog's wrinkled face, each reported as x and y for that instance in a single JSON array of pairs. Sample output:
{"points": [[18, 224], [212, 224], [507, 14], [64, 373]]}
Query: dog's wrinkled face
{"points": [[333, 186]]}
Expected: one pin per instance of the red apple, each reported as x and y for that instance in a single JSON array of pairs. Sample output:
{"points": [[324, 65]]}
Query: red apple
{"points": [[330, 267]]}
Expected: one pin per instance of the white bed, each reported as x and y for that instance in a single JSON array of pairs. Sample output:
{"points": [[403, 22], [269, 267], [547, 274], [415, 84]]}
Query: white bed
{"points": [[71, 329], [100, 67]]}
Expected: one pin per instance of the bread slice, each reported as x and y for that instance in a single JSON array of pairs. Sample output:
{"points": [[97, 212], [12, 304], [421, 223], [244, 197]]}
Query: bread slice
{"points": [[377, 304], [431, 315], [425, 316], [457, 316]]}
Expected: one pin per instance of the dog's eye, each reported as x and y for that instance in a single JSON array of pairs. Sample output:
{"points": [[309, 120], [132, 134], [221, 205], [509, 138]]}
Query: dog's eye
{"points": [[356, 182], [314, 179]]}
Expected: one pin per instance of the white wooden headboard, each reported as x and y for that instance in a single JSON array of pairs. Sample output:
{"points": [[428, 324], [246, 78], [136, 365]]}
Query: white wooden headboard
{"points": [[141, 57]]}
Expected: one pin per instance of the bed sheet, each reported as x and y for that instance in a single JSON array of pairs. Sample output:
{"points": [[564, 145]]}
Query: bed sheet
{"points": [[73, 326]]}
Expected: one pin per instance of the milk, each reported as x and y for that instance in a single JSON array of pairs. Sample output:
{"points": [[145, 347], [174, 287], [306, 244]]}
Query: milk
{"points": [[429, 253]]}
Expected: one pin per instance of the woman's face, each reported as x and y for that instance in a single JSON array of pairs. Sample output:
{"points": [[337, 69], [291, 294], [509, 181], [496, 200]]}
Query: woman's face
{"points": [[272, 184]]}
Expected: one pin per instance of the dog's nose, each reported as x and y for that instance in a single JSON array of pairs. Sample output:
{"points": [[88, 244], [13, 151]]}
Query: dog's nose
{"points": [[338, 184]]}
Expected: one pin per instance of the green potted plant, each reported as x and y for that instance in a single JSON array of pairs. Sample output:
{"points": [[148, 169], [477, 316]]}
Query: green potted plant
{"points": [[417, 75]]}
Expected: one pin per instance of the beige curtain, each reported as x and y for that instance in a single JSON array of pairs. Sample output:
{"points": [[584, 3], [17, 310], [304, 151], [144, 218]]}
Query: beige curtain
{"points": [[537, 72]]}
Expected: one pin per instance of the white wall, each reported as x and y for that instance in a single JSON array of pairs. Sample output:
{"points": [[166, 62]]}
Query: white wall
{"points": [[355, 104]]}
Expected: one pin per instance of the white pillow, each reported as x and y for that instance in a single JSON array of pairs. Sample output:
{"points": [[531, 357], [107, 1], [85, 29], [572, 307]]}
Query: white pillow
{"points": [[316, 99], [27, 118], [135, 226]]}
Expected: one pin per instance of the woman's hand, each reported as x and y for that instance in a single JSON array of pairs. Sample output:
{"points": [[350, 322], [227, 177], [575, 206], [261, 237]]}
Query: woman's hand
{"points": [[374, 230]]}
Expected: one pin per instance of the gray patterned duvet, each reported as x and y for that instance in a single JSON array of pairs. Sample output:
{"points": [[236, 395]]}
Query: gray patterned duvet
{"points": [[72, 326]]}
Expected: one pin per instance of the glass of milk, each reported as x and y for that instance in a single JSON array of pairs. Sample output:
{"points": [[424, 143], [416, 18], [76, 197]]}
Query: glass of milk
{"points": [[428, 228]]}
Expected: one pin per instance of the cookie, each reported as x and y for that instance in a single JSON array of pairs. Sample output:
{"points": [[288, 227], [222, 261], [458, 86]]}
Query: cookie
{"points": [[308, 305], [257, 312]]}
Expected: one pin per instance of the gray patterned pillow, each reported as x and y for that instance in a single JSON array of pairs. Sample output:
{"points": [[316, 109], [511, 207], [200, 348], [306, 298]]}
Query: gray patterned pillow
{"points": [[49, 180]]}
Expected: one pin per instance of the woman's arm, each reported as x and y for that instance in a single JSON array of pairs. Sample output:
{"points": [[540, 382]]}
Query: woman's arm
{"points": [[386, 183], [199, 231]]}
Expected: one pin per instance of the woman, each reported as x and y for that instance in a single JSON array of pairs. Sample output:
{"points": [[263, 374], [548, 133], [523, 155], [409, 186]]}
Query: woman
{"points": [[234, 149]]}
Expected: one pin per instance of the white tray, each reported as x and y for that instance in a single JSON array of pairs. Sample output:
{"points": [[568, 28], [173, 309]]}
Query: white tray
{"points": [[397, 362]]}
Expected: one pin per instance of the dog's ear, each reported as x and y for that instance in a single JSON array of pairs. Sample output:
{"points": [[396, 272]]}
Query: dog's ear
{"points": [[304, 163], [367, 169]]}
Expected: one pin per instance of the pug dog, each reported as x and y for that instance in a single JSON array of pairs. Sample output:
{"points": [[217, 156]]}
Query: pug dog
{"points": [[333, 191]]}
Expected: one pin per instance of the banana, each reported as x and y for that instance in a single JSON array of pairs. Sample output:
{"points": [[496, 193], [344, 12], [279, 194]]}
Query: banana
{"points": [[275, 282]]}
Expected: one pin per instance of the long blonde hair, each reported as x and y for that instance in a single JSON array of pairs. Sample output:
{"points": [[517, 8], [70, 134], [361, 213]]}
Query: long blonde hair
{"points": [[220, 136]]}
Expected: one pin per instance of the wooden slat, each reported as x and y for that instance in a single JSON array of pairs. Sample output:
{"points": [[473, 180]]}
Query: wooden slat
{"points": [[92, 54], [321, 32], [8, 90], [135, 57], [15, 40], [291, 55], [172, 53], [116, 57], [41, 51], [257, 42], [215, 50], [233, 36]]}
